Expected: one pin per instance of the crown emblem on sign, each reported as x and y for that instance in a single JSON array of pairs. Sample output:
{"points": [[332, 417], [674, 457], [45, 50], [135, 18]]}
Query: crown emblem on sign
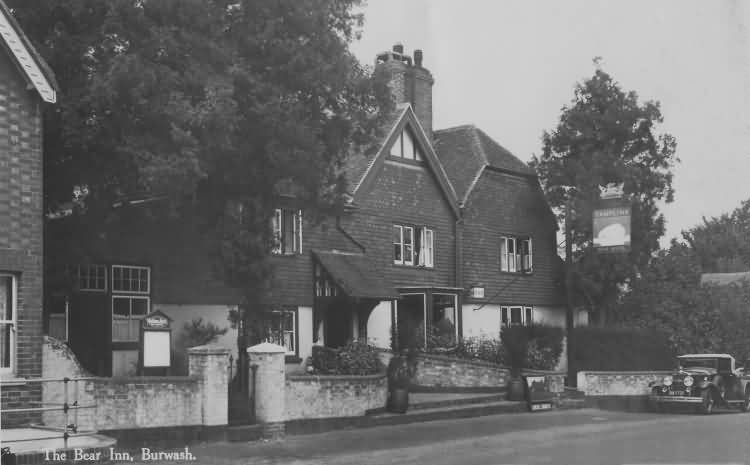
{"points": [[611, 191]]}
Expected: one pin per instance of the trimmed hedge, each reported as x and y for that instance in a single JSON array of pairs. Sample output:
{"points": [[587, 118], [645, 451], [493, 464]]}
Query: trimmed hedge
{"points": [[355, 358], [621, 349]]}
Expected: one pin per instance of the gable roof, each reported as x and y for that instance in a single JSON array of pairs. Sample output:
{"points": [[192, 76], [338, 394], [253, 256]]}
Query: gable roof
{"points": [[34, 68], [724, 279], [467, 150], [360, 169]]}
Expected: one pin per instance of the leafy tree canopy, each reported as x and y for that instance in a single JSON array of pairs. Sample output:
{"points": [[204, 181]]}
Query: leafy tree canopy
{"points": [[722, 244], [605, 135], [230, 102]]}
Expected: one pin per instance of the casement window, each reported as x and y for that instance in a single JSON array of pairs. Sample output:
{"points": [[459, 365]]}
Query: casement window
{"points": [[405, 147], [516, 316], [131, 288], [516, 254], [91, 278], [287, 231], [413, 246], [8, 315], [279, 327]]}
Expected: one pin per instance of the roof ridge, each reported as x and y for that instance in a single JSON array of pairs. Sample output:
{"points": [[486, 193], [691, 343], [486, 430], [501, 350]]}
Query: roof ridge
{"points": [[456, 128]]}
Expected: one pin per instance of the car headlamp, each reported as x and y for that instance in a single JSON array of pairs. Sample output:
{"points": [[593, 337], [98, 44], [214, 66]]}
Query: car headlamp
{"points": [[667, 381], [688, 381]]}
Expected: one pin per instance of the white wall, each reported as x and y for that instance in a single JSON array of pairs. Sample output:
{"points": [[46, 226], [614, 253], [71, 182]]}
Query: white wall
{"points": [[379, 325], [216, 314], [554, 316], [484, 322], [305, 337]]}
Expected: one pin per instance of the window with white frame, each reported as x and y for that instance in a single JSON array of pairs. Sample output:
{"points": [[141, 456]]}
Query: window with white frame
{"points": [[131, 286], [515, 254], [133, 279], [405, 147], [413, 246], [8, 309], [90, 277], [279, 328], [287, 231], [516, 316]]}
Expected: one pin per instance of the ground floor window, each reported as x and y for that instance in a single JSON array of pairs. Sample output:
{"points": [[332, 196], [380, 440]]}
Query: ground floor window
{"points": [[279, 327], [517, 316], [127, 313], [8, 300], [444, 318], [429, 320]]}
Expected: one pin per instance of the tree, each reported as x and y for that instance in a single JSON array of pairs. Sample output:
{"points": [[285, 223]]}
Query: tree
{"points": [[606, 136], [217, 107], [722, 244]]}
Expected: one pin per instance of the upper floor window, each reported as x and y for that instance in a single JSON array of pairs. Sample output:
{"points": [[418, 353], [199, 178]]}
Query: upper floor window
{"points": [[8, 303], [516, 316], [131, 279], [287, 231], [90, 277], [515, 254], [413, 246], [405, 147]]}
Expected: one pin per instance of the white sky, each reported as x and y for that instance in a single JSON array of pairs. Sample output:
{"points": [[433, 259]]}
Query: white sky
{"points": [[509, 66]]}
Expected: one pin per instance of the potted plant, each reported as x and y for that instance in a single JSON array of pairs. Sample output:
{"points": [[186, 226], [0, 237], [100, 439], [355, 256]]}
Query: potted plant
{"points": [[401, 370], [515, 340]]}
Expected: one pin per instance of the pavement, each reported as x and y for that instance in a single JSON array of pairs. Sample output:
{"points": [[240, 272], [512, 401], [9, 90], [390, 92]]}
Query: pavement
{"points": [[585, 436]]}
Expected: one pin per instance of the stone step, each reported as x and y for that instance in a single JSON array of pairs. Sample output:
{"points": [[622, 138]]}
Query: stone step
{"points": [[421, 402]]}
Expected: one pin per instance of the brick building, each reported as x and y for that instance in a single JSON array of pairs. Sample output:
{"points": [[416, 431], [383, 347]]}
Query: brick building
{"points": [[25, 85], [429, 215]]}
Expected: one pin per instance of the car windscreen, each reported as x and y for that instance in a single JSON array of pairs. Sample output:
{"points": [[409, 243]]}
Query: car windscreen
{"points": [[697, 363]]}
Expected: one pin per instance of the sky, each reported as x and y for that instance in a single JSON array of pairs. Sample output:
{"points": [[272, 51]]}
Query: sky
{"points": [[510, 66]]}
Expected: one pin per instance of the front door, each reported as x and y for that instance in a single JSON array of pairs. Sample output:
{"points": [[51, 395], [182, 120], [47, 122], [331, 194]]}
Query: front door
{"points": [[338, 325]]}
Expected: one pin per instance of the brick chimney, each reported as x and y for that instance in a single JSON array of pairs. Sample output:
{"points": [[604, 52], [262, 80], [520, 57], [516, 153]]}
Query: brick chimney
{"points": [[410, 82]]}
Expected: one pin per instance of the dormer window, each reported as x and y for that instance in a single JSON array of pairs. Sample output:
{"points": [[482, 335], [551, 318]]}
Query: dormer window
{"points": [[405, 147]]}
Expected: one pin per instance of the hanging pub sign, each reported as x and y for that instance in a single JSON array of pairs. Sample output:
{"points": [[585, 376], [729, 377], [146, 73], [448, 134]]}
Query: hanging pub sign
{"points": [[156, 344], [538, 394], [612, 221]]}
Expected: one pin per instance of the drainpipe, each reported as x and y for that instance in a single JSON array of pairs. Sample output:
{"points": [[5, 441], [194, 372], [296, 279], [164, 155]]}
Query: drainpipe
{"points": [[459, 274]]}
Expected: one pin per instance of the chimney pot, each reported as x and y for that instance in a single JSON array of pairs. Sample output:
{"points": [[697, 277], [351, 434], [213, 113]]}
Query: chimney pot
{"points": [[418, 58], [398, 47]]}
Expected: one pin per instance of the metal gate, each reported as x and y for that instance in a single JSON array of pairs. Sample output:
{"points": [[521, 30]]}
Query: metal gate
{"points": [[241, 390]]}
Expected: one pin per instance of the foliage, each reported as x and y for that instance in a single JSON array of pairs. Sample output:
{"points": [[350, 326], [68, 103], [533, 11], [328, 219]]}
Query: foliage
{"points": [[437, 341], [196, 332], [621, 349], [606, 136], [401, 370], [515, 339], [355, 358], [218, 107], [545, 346], [722, 244], [481, 348]]}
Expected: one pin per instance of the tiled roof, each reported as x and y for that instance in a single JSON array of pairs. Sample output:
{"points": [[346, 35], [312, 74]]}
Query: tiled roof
{"points": [[34, 67], [356, 275], [465, 150], [723, 279]]}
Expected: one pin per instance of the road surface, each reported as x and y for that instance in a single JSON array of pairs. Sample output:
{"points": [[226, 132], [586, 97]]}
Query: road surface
{"points": [[557, 437]]}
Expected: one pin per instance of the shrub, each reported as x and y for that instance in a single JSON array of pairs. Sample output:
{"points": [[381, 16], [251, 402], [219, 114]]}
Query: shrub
{"points": [[481, 348], [515, 340], [621, 349], [355, 358], [545, 346], [196, 332], [401, 370]]}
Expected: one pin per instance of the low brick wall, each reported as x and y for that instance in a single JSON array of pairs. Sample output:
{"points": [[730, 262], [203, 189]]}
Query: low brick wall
{"points": [[137, 402], [309, 396], [617, 383], [439, 371]]}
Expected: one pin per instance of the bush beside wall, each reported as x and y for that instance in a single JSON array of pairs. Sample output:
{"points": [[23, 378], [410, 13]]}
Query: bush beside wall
{"points": [[621, 349]]}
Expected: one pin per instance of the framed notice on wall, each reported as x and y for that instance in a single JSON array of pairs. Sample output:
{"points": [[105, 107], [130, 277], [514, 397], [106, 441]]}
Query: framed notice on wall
{"points": [[156, 348]]}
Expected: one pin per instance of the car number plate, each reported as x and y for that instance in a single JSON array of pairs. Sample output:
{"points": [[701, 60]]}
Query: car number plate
{"points": [[676, 393], [542, 406]]}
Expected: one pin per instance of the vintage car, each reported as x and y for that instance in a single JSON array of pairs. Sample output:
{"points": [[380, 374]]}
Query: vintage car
{"points": [[705, 381]]}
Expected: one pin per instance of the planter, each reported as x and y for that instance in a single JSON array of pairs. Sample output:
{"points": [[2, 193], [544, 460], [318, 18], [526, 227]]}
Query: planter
{"points": [[398, 400], [516, 389]]}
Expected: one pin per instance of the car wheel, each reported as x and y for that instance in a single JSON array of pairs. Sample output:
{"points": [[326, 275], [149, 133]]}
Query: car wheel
{"points": [[707, 402], [746, 403]]}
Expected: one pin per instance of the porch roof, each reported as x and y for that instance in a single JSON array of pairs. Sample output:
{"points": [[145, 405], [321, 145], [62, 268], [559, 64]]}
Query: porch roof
{"points": [[356, 275]]}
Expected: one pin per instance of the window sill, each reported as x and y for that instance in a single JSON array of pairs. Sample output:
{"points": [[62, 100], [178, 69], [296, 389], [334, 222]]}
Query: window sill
{"points": [[416, 267], [9, 380], [286, 255], [518, 273]]}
